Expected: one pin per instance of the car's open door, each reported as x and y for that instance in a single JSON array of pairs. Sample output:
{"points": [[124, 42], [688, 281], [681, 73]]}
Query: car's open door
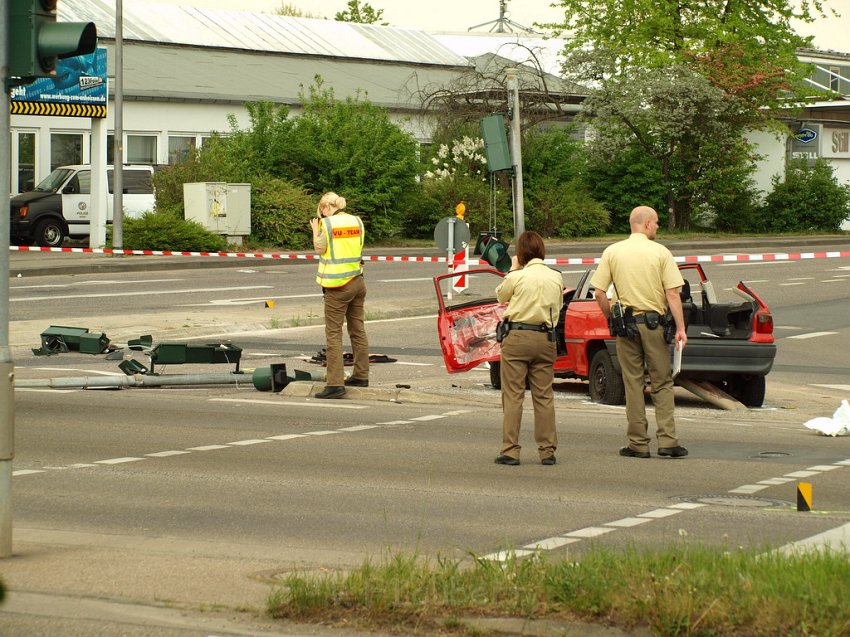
{"points": [[466, 320]]}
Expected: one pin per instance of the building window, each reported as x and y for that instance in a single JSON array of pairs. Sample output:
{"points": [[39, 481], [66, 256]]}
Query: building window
{"points": [[179, 147], [26, 162], [834, 78], [65, 149], [141, 149]]}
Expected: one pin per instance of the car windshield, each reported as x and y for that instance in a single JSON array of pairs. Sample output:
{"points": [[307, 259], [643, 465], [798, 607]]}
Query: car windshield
{"points": [[55, 179]]}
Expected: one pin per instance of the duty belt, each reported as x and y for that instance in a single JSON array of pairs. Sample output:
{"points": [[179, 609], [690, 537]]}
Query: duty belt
{"points": [[534, 327]]}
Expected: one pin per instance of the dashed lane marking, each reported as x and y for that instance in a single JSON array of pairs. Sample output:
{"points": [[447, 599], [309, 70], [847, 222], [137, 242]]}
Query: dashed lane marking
{"points": [[277, 403], [167, 454], [838, 387], [118, 460], [252, 441], [810, 335], [146, 293]]}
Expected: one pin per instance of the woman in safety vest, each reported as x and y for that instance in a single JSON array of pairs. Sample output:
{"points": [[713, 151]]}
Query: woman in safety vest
{"points": [[338, 238]]}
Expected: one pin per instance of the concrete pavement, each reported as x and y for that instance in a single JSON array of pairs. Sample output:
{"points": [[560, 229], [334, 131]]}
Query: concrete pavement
{"points": [[210, 589]]}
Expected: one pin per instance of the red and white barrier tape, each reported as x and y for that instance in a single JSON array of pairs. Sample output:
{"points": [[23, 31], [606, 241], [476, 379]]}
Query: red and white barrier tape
{"points": [[779, 256]]}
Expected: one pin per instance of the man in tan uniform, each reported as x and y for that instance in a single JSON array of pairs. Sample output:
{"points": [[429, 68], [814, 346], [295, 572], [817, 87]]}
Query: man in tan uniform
{"points": [[646, 280]]}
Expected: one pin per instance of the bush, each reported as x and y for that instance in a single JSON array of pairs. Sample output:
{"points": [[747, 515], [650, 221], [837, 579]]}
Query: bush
{"points": [[568, 211], [281, 213], [620, 183], [166, 230], [809, 199]]}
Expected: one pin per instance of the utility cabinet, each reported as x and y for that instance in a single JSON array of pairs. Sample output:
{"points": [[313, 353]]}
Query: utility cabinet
{"points": [[220, 207]]}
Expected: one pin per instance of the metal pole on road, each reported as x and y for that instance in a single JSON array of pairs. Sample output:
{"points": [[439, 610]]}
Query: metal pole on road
{"points": [[512, 81], [7, 366]]}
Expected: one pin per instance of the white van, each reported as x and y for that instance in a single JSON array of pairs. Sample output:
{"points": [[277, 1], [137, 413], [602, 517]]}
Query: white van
{"points": [[60, 206]]}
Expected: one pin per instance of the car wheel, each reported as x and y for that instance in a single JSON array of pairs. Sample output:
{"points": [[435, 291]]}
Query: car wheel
{"points": [[49, 233], [496, 374], [606, 385], [747, 389]]}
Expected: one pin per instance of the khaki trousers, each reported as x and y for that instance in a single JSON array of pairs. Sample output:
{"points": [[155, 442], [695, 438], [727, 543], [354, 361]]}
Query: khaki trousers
{"points": [[528, 355], [631, 352], [346, 304]]}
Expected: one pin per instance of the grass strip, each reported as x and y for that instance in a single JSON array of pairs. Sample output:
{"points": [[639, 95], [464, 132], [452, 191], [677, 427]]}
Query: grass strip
{"points": [[682, 590]]}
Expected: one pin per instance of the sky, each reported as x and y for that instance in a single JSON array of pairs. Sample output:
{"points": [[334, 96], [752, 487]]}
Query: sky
{"points": [[459, 15]]}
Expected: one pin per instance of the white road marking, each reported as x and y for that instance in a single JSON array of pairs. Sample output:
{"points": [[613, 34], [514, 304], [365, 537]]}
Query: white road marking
{"points": [[252, 441], [146, 293], [81, 465], [838, 387], [775, 481], [628, 522], [287, 436], [589, 531], [810, 335], [258, 299], [118, 460], [166, 454], [845, 463], [822, 467], [832, 280], [786, 284], [801, 474], [429, 417], [82, 283], [424, 278], [396, 422], [503, 556], [749, 488], [326, 432], [687, 506], [208, 447], [552, 543], [786, 327], [359, 428], [659, 513], [26, 472], [837, 538], [414, 364]]}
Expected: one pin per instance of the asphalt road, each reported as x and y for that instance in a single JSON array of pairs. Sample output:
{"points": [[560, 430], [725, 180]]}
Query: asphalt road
{"points": [[185, 496]]}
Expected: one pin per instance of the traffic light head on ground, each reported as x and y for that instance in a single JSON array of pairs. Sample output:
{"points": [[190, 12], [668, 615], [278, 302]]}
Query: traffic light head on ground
{"points": [[37, 40], [496, 254]]}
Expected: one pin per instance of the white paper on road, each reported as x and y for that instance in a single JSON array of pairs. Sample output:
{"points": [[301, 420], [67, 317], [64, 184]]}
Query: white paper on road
{"points": [[838, 425]]}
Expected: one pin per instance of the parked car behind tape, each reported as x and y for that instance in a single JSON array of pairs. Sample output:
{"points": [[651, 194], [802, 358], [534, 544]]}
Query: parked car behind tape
{"points": [[60, 206]]}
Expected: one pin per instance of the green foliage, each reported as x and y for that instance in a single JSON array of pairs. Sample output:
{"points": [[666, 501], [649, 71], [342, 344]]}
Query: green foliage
{"points": [[810, 198], [352, 148], [681, 590], [167, 230], [567, 211], [281, 213], [625, 180], [364, 14], [557, 201]]}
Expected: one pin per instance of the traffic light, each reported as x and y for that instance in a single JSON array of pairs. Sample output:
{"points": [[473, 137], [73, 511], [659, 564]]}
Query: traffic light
{"points": [[496, 254], [36, 39]]}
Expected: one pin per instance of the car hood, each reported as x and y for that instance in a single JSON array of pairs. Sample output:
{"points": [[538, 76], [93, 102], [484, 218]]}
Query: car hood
{"points": [[29, 197]]}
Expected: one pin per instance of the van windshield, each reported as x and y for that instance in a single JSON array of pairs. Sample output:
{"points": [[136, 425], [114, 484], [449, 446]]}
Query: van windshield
{"points": [[55, 179]]}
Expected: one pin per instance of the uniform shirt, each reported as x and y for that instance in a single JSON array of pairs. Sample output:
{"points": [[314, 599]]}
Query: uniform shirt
{"points": [[534, 294], [642, 270]]}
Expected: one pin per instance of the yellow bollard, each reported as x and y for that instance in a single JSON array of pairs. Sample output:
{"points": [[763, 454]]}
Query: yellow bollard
{"points": [[269, 304], [804, 496]]}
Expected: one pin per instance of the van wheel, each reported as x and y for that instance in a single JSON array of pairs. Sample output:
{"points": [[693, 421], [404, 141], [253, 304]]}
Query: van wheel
{"points": [[49, 233], [496, 374], [606, 385]]}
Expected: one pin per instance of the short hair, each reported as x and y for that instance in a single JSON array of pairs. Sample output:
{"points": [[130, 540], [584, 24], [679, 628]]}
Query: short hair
{"points": [[333, 200], [529, 246]]}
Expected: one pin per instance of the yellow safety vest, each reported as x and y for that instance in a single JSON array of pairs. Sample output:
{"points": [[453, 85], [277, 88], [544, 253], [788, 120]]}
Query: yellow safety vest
{"points": [[342, 259]]}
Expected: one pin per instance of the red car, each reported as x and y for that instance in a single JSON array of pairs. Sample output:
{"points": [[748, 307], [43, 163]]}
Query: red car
{"points": [[729, 344]]}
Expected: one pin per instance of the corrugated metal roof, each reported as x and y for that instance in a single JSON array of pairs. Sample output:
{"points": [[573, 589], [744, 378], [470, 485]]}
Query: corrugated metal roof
{"points": [[151, 22], [177, 73]]}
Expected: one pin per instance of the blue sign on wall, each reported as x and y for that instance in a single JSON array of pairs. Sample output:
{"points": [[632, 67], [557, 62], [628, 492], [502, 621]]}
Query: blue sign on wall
{"points": [[77, 90], [805, 135]]}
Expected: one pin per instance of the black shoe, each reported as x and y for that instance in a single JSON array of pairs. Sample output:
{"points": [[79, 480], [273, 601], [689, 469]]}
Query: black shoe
{"points": [[548, 461], [331, 392], [357, 382], [507, 460], [628, 452], [672, 452]]}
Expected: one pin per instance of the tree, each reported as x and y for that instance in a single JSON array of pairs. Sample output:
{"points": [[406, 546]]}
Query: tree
{"points": [[695, 76], [364, 14], [290, 10]]}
